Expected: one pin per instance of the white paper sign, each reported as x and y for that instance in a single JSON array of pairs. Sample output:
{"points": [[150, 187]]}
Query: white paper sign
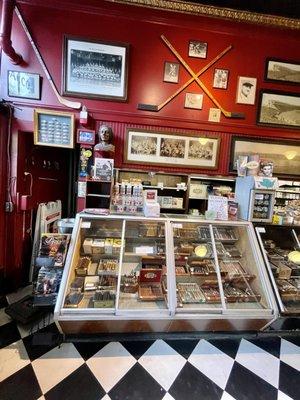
{"points": [[144, 250], [219, 205]]}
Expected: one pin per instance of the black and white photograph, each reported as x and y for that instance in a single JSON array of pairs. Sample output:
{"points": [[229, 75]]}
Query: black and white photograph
{"points": [[95, 69], [171, 72], [246, 89], [193, 100], [282, 71], [279, 109], [23, 84], [171, 149], [197, 49], [220, 78], [143, 145], [284, 155], [174, 148], [103, 169], [201, 149]]}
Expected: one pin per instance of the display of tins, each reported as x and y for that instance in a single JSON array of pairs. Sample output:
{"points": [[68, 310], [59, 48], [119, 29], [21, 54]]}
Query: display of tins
{"points": [[190, 293], [129, 283], [82, 266], [203, 233], [202, 267], [261, 205], [212, 295], [104, 299], [73, 299], [107, 266], [224, 234], [294, 256], [150, 285], [231, 251], [107, 282]]}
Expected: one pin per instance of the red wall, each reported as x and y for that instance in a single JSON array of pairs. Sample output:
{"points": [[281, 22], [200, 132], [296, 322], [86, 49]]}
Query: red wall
{"points": [[141, 28]]}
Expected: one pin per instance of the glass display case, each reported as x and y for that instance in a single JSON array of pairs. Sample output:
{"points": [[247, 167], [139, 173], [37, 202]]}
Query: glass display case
{"points": [[281, 249], [126, 273]]}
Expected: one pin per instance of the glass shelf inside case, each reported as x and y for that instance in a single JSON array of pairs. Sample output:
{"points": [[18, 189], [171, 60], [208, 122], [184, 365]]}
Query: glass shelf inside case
{"points": [[241, 282], [143, 273], [92, 281]]}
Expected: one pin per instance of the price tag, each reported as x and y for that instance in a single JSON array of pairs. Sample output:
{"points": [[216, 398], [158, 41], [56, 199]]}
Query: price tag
{"points": [[261, 229], [144, 250], [178, 226], [86, 224]]}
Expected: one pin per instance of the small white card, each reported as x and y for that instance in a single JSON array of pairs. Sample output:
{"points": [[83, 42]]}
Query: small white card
{"points": [[144, 250], [218, 204], [214, 115], [81, 189]]}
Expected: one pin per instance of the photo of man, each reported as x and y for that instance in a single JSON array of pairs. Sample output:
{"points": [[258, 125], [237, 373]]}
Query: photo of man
{"points": [[246, 90]]}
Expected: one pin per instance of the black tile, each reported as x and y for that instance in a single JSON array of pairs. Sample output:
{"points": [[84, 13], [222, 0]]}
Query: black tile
{"points": [[31, 342], [228, 346], [9, 334], [3, 301], [295, 339], [289, 381], [191, 384], [270, 344], [81, 384], [87, 350], [137, 384], [137, 347], [183, 347], [21, 385], [243, 384]]}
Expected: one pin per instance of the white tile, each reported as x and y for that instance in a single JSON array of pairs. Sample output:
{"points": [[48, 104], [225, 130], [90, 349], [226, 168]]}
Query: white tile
{"points": [[26, 330], [56, 365], [12, 359], [16, 296], [41, 398], [167, 396], [106, 397], [212, 362], [163, 363], [4, 318], [290, 354], [283, 396], [226, 396], [260, 362], [110, 364]]}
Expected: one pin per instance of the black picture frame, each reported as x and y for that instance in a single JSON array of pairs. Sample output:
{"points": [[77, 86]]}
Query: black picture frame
{"points": [[25, 85], [282, 71], [95, 69], [279, 109], [272, 149]]}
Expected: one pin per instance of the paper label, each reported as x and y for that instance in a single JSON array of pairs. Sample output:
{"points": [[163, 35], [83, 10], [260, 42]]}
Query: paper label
{"points": [[86, 224], [144, 250]]}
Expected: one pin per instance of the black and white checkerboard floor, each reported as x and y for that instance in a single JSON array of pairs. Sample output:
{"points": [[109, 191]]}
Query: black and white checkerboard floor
{"points": [[265, 368]]}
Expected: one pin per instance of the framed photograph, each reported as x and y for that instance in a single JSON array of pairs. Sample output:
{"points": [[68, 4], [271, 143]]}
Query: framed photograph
{"points": [[86, 136], [279, 109], [23, 84], [95, 69], [220, 78], [193, 100], [53, 128], [246, 89], [282, 71], [284, 154], [186, 150], [197, 49], [171, 72]]}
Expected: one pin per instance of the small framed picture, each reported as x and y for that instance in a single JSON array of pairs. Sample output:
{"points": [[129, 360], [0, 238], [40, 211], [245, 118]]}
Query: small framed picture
{"points": [[86, 136], [246, 89], [193, 100], [23, 84], [197, 49], [221, 78], [171, 72]]}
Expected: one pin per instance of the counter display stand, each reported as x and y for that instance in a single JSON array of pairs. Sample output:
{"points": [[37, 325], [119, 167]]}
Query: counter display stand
{"points": [[134, 274], [280, 246]]}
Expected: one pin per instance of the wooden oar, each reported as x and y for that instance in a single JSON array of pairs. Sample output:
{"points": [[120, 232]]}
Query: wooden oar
{"points": [[226, 113]]}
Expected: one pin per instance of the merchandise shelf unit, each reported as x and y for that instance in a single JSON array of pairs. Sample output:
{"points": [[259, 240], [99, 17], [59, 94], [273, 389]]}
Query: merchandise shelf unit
{"points": [[167, 274]]}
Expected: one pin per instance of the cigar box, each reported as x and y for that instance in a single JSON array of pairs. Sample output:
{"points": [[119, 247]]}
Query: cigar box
{"points": [[212, 295], [231, 251], [116, 246], [181, 270], [295, 269], [188, 233], [98, 246], [92, 269], [107, 266], [82, 266], [203, 233], [77, 283], [153, 260], [235, 271], [186, 248], [104, 299], [87, 245], [108, 246], [287, 291], [234, 294], [129, 283], [73, 299], [189, 293], [107, 282], [148, 230], [224, 234], [201, 267], [91, 283], [150, 285]]}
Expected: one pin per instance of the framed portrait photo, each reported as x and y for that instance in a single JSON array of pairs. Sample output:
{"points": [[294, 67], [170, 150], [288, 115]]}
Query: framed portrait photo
{"points": [[220, 78], [171, 72], [197, 49], [280, 109], [86, 136], [95, 69], [193, 100], [23, 84], [282, 71], [165, 148], [246, 89]]}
